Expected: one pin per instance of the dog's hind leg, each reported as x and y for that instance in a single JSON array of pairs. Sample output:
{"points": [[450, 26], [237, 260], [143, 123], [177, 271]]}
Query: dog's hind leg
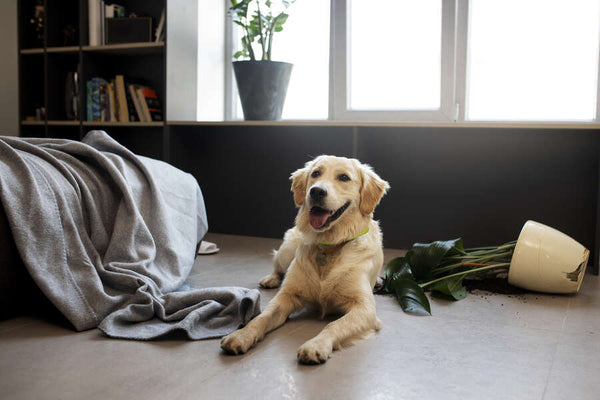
{"points": [[282, 258]]}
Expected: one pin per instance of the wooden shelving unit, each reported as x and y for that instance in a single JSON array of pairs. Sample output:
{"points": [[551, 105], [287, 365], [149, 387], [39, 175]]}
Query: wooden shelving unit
{"points": [[45, 60]]}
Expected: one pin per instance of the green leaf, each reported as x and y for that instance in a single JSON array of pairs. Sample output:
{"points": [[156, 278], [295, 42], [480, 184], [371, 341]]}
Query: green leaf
{"points": [[280, 20], [396, 265], [451, 287], [425, 257], [399, 281], [411, 296], [395, 268]]}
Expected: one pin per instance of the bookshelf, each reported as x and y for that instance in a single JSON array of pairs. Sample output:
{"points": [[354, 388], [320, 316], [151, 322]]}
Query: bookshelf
{"points": [[61, 46]]}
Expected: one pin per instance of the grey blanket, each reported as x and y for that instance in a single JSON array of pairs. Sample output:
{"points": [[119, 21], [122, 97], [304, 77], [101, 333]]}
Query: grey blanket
{"points": [[110, 238]]}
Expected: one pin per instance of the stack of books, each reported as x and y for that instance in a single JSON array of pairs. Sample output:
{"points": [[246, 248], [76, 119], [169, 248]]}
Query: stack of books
{"points": [[120, 101]]}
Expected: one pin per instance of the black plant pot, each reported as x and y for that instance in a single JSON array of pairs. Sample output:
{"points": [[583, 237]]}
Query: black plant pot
{"points": [[262, 86]]}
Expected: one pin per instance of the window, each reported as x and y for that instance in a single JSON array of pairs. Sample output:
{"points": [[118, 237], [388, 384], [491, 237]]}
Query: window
{"points": [[543, 67], [306, 45], [478, 60], [393, 60], [440, 60], [394, 64]]}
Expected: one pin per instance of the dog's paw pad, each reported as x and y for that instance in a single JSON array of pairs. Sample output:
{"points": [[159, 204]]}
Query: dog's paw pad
{"points": [[313, 353], [270, 281], [236, 343]]}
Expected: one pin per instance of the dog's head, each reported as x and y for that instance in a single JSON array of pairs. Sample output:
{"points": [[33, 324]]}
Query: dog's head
{"points": [[335, 191]]}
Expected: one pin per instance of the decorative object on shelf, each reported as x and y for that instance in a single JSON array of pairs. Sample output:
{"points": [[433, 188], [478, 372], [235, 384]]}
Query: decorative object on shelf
{"points": [[72, 96], [542, 259], [128, 30], [70, 37], [262, 83], [37, 22]]}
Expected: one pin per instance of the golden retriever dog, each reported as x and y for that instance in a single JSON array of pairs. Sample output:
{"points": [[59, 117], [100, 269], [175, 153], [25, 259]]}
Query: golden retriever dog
{"points": [[330, 259]]}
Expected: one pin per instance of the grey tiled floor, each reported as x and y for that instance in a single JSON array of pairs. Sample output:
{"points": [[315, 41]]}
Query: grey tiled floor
{"points": [[487, 346]]}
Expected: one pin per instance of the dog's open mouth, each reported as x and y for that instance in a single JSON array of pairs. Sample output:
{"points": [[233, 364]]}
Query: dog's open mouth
{"points": [[320, 218]]}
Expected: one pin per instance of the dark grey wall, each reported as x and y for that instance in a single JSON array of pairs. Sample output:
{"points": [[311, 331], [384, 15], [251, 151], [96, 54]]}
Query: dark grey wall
{"points": [[478, 183]]}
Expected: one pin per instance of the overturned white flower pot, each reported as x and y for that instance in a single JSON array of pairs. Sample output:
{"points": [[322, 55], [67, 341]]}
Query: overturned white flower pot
{"points": [[546, 260]]}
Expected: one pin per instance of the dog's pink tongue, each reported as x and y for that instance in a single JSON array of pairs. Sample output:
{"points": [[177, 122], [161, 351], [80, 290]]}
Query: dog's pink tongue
{"points": [[318, 220]]}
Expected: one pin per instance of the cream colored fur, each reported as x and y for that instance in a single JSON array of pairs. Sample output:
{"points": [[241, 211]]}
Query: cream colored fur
{"points": [[345, 283]]}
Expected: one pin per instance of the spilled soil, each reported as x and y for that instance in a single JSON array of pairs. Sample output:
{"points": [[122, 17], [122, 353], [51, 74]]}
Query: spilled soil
{"points": [[493, 285]]}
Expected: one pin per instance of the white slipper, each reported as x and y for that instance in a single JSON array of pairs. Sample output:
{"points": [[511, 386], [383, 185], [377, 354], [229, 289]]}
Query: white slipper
{"points": [[208, 248]]}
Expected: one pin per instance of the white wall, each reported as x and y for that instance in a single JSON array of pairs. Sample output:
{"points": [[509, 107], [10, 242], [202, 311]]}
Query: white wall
{"points": [[195, 60], [182, 59], [9, 76]]}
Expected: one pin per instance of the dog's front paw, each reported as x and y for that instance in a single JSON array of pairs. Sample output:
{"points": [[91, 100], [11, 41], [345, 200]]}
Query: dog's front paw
{"points": [[315, 351], [238, 342], [271, 281]]}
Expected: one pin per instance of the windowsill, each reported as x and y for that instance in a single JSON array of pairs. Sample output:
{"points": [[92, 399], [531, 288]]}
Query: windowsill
{"points": [[469, 124]]}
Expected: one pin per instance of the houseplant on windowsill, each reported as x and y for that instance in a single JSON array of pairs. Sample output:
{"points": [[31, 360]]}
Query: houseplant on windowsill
{"points": [[542, 259], [262, 83]]}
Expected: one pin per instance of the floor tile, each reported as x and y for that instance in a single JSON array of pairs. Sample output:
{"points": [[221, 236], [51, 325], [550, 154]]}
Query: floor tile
{"points": [[576, 368]]}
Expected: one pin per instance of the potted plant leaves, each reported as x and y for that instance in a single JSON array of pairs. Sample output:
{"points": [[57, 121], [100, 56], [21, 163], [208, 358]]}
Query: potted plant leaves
{"points": [[542, 259], [262, 83]]}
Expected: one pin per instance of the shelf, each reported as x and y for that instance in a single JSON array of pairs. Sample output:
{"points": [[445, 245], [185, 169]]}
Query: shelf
{"points": [[67, 49], [33, 51], [127, 48], [63, 123], [125, 124], [33, 123]]}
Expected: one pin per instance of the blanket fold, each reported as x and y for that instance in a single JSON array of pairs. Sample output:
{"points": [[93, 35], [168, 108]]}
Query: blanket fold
{"points": [[110, 238]]}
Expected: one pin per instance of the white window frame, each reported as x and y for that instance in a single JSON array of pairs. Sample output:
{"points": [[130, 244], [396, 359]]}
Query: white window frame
{"points": [[339, 78]]}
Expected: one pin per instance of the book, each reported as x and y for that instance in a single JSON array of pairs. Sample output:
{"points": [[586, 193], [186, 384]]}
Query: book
{"points": [[88, 100], [133, 116], [114, 116], [136, 102], [98, 99], [121, 97], [102, 23], [150, 104], [94, 23]]}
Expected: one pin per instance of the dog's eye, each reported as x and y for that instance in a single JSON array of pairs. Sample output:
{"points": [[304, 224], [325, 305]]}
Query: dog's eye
{"points": [[315, 174], [343, 177]]}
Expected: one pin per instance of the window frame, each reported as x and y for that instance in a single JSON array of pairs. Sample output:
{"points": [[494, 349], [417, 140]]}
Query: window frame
{"points": [[339, 109]]}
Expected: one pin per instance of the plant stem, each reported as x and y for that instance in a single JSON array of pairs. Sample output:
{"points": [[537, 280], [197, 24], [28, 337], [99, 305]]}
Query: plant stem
{"points": [[246, 39], [260, 30], [270, 43], [480, 260], [474, 249], [490, 267], [505, 246]]}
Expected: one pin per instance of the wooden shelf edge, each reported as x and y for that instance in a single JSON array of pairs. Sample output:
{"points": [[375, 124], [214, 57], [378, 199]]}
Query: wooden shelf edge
{"points": [[33, 123], [32, 51], [62, 49], [123, 46], [124, 124], [63, 123]]}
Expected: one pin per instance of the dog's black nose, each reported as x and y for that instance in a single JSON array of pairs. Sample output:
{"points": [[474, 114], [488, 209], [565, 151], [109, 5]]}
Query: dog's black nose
{"points": [[317, 193]]}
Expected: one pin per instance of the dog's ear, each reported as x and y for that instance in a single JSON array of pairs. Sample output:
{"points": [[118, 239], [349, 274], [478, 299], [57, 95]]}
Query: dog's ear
{"points": [[299, 181], [373, 189]]}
